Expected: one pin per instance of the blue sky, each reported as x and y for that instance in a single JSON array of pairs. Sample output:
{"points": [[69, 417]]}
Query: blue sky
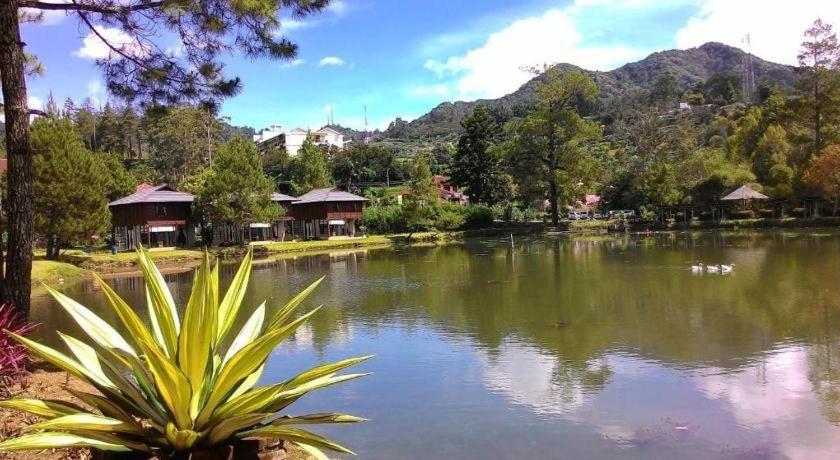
{"points": [[402, 58]]}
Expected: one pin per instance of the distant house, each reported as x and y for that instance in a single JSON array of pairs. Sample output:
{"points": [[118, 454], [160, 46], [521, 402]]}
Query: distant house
{"points": [[449, 192], [154, 216], [292, 140], [446, 192], [327, 213]]}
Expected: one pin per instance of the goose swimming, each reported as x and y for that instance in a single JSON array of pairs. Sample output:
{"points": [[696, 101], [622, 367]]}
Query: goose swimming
{"points": [[727, 268], [712, 268], [697, 268]]}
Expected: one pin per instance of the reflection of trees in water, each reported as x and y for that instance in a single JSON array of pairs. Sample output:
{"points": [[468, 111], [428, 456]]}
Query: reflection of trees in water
{"points": [[574, 299], [824, 374]]}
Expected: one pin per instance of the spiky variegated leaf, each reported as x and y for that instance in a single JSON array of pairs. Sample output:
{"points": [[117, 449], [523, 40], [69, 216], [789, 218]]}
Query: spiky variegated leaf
{"points": [[232, 301], [196, 340], [101, 404], [313, 451], [291, 306], [172, 386], [250, 331], [138, 332], [53, 440], [98, 330], [60, 360], [317, 419], [295, 435], [225, 429], [245, 362], [88, 422], [161, 304], [42, 408]]}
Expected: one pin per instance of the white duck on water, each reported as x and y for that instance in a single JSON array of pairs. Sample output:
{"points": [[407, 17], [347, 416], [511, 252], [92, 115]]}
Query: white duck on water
{"points": [[727, 268], [712, 268], [697, 268]]}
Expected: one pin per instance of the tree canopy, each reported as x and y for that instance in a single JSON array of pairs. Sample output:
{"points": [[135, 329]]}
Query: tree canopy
{"points": [[235, 189]]}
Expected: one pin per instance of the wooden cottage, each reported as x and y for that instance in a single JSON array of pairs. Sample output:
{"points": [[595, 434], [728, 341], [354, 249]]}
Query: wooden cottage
{"points": [[327, 213], [283, 228], [155, 216], [251, 232]]}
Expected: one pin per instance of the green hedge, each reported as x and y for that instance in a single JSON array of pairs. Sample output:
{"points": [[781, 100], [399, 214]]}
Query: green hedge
{"points": [[445, 216]]}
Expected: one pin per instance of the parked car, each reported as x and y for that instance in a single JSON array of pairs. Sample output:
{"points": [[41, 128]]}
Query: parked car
{"points": [[622, 214], [597, 215], [578, 215]]}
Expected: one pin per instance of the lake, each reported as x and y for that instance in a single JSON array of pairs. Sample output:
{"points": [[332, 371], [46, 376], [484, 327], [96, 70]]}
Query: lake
{"points": [[564, 347]]}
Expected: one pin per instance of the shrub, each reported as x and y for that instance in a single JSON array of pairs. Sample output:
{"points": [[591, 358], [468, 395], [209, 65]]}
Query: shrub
{"points": [[478, 216], [384, 219], [181, 386], [13, 355], [450, 217]]}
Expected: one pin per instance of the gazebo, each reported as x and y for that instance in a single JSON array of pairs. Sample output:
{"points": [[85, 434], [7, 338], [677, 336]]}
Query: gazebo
{"points": [[744, 195]]}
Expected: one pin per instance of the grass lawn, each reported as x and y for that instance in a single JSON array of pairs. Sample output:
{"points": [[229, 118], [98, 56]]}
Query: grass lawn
{"points": [[54, 272]]}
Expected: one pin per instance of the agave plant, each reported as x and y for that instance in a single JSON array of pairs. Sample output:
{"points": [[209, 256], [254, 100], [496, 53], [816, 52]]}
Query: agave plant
{"points": [[184, 384]]}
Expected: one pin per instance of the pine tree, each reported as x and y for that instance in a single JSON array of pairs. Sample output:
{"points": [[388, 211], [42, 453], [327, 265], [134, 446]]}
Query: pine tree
{"points": [[418, 210], [476, 166], [71, 186], [235, 189], [310, 169], [819, 85]]}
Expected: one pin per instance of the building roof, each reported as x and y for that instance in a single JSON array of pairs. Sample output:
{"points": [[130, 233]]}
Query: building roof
{"points": [[328, 195], [154, 194], [282, 198], [745, 193]]}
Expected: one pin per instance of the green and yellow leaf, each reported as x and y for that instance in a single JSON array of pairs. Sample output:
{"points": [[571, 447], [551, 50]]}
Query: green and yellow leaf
{"points": [[53, 440]]}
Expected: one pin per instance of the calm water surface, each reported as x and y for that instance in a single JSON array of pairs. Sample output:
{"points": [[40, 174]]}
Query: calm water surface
{"points": [[592, 347]]}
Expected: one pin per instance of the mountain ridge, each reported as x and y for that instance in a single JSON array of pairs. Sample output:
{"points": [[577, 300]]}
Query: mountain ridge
{"points": [[689, 66]]}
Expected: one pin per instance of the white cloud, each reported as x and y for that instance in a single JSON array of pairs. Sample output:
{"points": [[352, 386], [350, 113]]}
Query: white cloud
{"points": [[295, 24], [500, 65], [338, 7], [94, 48], [433, 90], [294, 63], [331, 60], [775, 26]]}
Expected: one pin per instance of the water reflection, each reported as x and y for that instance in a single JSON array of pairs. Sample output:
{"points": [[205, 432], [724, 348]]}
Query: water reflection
{"points": [[606, 346]]}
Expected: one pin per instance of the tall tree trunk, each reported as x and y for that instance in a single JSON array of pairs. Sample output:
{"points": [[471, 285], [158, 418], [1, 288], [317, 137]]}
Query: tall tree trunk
{"points": [[21, 223], [50, 245], [552, 200], [836, 205]]}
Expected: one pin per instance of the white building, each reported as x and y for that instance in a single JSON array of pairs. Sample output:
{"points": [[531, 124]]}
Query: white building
{"points": [[293, 140]]}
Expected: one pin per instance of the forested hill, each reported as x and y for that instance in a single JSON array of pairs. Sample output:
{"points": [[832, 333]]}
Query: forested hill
{"points": [[689, 67]]}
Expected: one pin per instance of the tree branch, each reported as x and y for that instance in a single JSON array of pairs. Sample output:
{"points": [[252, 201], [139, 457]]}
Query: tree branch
{"points": [[89, 8]]}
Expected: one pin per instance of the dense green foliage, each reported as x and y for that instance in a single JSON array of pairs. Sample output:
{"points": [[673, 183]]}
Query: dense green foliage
{"points": [[476, 166], [72, 185], [235, 190], [549, 149], [309, 169]]}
